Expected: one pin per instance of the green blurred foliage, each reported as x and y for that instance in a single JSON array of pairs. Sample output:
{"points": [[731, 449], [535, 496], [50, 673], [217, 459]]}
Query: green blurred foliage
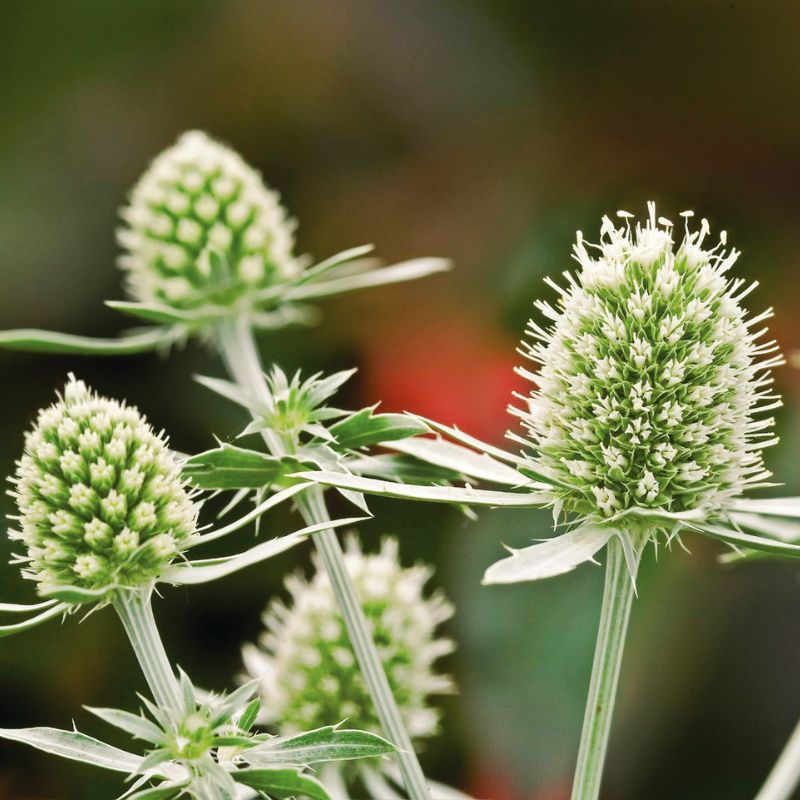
{"points": [[483, 130]]}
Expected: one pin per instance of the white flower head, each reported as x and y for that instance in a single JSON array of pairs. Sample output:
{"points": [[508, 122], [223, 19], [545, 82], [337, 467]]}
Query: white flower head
{"points": [[306, 663], [201, 227], [652, 377], [100, 496]]}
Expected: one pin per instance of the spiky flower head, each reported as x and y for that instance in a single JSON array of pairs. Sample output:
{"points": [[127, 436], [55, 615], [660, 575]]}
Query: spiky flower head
{"points": [[308, 673], [101, 501], [650, 382], [202, 228]]}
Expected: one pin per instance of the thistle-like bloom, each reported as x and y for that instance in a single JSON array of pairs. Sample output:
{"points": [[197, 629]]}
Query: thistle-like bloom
{"points": [[308, 673], [197, 198], [101, 500], [650, 386]]}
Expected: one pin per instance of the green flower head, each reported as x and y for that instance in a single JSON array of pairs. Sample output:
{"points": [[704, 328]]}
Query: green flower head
{"points": [[101, 501], [308, 673], [202, 228], [651, 383]]}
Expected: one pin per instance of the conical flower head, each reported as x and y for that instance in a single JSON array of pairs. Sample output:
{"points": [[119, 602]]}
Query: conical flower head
{"points": [[650, 381], [101, 501], [306, 663], [201, 227]]}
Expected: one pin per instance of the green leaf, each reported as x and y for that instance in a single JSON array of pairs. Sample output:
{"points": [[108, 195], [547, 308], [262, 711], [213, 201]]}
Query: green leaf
{"points": [[229, 704], [32, 622], [402, 468], [167, 315], [231, 391], [230, 467], [36, 341], [323, 744], [405, 271], [282, 784], [75, 746], [249, 715], [76, 595], [464, 461], [162, 792], [774, 506], [434, 494], [137, 726], [313, 273], [783, 529], [555, 556], [365, 428]]}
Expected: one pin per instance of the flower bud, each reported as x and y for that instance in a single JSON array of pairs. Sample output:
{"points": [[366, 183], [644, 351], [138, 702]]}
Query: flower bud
{"points": [[201, 227], [93, 513], [307, 665]]}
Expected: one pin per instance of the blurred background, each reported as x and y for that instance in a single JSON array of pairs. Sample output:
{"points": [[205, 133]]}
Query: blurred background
{"points": [[483, 130]]}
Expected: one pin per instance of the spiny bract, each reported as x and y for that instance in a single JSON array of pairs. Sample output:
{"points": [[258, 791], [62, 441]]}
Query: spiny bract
{"points": [[306, 663], [649, 384], [197, 198], [100, 495]]}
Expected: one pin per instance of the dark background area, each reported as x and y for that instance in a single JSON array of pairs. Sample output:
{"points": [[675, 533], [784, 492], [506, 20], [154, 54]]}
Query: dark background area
{"points": [[483, 131]]}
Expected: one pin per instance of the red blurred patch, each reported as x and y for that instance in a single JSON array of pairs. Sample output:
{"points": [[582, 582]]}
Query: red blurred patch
{"points": [[455, 371]]}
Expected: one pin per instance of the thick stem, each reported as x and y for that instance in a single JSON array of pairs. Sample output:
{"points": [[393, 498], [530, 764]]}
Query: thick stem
{"points": [[617, 597], [785, 775], [241, 357], [136, 613]]}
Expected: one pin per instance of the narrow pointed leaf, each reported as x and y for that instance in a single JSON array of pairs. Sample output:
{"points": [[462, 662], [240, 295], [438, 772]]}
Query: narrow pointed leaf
{"points": [[282, 784], [167, 315], [433, 494], [36, 341], [75, 746], [255, 513], [750, 541], [324, 744], [212, 568], [230, 391], [556, 556], [402, 468], [21, 608], [313, 273], [785, 530], [32, 622], [777, 506], [133, 724], [232, 702], [461, 459], [76, 595], [405, 271], [164, 792]]}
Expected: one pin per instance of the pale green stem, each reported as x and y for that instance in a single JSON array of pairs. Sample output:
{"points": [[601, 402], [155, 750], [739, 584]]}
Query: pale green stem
{"points": [[617, 597], [785, 775], [136, 613], [241, 357]]}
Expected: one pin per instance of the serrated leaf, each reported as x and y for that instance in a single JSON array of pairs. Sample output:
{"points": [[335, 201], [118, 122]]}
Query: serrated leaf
{"points": [[365, 428], [75, 746], [553, 557], [460, 459], [323, 744], [231, 467], [282, 784], [38, 341], [434, 494], [32, 622], [137, 726]]}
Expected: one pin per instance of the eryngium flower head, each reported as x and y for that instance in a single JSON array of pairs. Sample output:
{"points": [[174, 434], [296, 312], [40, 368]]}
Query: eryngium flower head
{"points": [[199, 196], [650, 383], [100, 495], [308, 670]]}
